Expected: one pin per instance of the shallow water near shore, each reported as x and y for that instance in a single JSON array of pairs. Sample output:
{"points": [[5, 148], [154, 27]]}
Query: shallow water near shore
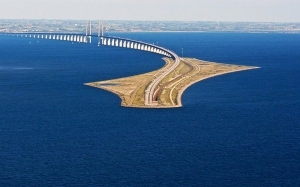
{"points": [[239, 129]]}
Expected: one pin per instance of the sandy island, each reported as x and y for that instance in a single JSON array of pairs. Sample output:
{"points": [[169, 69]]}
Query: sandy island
{"points": [[168, 94]]}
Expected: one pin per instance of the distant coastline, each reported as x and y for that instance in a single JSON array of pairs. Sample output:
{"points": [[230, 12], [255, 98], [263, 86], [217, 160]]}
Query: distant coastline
{"points": [[250, 32], [29, 25]]}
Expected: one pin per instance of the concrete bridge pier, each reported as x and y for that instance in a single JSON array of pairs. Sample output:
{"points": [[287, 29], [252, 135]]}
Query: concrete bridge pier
{"points": [[113, 42]]}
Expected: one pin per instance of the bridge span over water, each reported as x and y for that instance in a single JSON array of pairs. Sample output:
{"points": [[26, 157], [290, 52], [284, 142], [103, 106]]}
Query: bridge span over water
{"points": [[152, 88], [102, 40]]}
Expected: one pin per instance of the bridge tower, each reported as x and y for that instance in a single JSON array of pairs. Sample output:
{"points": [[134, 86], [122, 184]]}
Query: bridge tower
{"points": [[88, 31], [100, 32], [102, 28]]}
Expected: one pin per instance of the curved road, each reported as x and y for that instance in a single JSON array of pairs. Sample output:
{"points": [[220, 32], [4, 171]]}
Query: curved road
{"points": [[151, 89], [160, 89]]}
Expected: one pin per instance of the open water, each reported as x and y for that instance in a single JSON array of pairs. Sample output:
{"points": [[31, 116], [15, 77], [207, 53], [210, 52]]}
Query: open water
{"points": [[239, 129]]}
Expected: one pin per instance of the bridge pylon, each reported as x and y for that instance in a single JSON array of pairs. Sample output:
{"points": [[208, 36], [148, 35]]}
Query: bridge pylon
{"points": [[88, 31], [100, 32]]}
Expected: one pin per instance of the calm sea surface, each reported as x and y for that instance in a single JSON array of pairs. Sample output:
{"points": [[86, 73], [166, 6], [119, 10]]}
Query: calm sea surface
{"points": [[239, 129]]}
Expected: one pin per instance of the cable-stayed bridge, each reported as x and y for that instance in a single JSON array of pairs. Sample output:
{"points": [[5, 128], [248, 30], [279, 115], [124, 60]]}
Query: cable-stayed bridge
{"points": [[102, 40], [152, 89]]}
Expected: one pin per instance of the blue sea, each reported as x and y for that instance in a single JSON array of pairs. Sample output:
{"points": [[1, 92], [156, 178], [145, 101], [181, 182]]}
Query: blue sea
{"points": [[239, 129]]}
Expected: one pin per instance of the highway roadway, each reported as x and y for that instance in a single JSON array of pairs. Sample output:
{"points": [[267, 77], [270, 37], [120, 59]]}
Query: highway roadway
{"points": [[180, 77], [150, 98]]}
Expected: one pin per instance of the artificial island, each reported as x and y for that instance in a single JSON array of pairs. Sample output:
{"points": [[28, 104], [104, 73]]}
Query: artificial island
{"points": [[133, 90], [162, 88]]}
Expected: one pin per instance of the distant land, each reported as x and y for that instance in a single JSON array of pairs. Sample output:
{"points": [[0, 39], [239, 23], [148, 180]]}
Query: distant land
{"points": [[23, 25]]}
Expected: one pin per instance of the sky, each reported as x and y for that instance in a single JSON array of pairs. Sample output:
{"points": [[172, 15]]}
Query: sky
{"points": [[165, 10]]}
